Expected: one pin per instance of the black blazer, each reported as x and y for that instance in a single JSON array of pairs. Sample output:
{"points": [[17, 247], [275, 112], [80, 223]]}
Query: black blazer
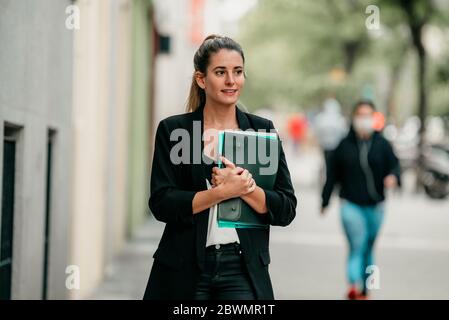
{"points": [[180, 255], [345, 169]]}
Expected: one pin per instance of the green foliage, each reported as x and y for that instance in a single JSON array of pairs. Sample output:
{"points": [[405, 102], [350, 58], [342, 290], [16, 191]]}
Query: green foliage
{"points": [[299, 52]]}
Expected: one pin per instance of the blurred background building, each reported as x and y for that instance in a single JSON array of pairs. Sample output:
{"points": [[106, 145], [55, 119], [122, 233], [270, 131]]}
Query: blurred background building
{"points": [[83, 85]]}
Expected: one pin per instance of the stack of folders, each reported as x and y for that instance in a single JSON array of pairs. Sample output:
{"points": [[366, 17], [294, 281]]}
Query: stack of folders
{"points": [[258, 152]]}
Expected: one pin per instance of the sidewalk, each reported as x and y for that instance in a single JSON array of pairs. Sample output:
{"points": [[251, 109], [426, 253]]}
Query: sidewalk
{"points": [[412, 252], [127, 276]]}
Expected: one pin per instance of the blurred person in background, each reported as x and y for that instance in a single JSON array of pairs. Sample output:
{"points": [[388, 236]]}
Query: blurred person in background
{"points": [[330, 128], [195, 258], [297, 130], [363, 164]]}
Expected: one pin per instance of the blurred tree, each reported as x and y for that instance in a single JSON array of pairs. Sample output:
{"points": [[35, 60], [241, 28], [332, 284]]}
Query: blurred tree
{"points": [[417, 15], [299, 52], [438, 85]]}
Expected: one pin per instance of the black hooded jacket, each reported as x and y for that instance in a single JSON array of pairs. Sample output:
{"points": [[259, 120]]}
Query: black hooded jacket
{"points": [[359, 167]]}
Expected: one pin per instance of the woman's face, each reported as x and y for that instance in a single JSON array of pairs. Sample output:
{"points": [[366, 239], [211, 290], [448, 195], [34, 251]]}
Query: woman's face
{"points": [[224, 78]]}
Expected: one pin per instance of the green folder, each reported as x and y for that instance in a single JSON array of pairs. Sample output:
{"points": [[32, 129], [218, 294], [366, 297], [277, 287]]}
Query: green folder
{"points": [[258, 152]]}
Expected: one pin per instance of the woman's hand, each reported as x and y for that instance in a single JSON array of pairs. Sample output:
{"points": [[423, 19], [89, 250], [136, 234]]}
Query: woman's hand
{"points": [[218, 175], [390, 181], [233, 181]]}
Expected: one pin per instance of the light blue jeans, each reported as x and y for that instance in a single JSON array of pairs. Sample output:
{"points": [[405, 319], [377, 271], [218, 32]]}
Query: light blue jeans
{"points": [[361, 225]]}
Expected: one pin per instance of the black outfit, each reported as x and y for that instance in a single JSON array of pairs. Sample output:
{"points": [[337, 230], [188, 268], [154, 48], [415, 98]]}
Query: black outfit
{"points": [[328, 156], [181, 256], [360, 166], [225, 276]]}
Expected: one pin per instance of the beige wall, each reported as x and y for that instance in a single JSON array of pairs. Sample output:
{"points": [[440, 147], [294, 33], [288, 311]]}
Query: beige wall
{"points": [[118, 127], [100, 93], [173, 70]]}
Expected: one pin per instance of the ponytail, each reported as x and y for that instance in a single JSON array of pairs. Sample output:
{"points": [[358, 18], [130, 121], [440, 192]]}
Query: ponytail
{"points": [[197, 96]]}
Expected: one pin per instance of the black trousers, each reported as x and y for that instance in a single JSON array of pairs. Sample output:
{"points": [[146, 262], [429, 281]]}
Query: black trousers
{"points": [[225, 276]]}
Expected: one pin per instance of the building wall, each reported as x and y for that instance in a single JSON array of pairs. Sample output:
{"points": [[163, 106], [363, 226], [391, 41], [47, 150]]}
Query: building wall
{"points": [[90, 141], [174, 69], [187, 23], [139, 122], [102, 91], [35, 94], [118, 128], [92, 87], [109, 138]]}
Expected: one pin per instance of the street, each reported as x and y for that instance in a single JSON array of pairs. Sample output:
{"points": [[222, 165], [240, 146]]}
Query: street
{"points": [[308, 257]]}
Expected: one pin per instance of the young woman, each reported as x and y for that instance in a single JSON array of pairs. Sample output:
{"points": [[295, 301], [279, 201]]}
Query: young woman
{"points": [[195, 259], [363, 164]]}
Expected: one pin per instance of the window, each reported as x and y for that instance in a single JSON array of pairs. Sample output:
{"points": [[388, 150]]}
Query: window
{"points": [[7, 214], [50, 144], [164, 44]]}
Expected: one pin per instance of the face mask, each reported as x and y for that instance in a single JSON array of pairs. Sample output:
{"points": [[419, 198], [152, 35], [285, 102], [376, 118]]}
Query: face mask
{"points": [[363, 125]]}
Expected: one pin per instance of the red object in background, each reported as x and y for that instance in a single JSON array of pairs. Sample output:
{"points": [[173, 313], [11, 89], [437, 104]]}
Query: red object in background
{"points": [[379, 121], [196, 21], [297, 127]]}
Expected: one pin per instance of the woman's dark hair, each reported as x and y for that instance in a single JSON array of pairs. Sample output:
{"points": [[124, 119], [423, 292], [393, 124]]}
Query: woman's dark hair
{"points": [[212, 44], [363, 102]]}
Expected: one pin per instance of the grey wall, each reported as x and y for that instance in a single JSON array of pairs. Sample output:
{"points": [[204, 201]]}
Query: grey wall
{"points": [[35, 94]]}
